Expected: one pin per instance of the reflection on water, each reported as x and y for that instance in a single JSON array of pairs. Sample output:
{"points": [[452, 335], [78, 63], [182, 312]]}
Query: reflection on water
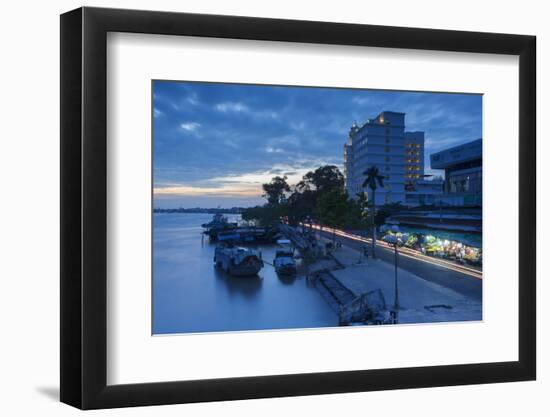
{"points": [[191, 295], [247, 286], [287, 279]]}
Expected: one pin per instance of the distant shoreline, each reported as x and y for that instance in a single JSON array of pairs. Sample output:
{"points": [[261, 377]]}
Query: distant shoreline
{"points": [[200, 210]]}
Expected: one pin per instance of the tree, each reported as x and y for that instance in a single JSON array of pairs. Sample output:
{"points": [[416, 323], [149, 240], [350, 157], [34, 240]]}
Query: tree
{"points": [[301, 205], [333, 209], [266, 215], [373, 180], [256, 213], [275, 190], [357, 216], [303, 201], [323, 179], [363, 205]]}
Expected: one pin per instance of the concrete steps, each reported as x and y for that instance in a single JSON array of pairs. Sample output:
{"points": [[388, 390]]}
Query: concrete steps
{"points": [[333, 291]]}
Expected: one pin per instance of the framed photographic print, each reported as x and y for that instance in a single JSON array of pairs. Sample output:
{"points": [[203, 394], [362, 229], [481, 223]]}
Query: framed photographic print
{"points": [[258, 207]]}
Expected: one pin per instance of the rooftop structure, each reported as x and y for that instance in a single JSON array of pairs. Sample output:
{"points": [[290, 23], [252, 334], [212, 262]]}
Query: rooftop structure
{"points": [[423, 191], [463, 173]]}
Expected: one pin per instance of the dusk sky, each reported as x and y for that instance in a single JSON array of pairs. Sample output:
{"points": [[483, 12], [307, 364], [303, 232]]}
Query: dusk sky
{"points": [[215, 144]]}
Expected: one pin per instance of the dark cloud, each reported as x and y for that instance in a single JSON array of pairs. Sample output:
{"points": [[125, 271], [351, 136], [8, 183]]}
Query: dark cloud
{"points": [[203, 131]]}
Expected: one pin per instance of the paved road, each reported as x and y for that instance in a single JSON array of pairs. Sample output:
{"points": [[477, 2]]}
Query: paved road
{"points": [[456, 280]]}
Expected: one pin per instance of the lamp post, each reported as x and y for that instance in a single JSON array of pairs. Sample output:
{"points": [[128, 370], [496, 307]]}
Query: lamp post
{"points": [[396, 295], [365, 212], [395, 242]]}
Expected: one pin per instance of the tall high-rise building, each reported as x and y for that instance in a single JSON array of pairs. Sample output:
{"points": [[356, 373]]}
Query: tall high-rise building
{"points": [[398, 155], [414, 156], [379, 142]]}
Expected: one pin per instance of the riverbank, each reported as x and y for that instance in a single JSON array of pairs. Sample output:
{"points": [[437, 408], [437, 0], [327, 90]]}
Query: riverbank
{"points": [[420, 300]]}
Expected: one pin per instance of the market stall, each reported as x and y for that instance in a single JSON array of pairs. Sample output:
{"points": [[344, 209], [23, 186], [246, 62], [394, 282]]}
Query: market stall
{"points": [[433, 245]]}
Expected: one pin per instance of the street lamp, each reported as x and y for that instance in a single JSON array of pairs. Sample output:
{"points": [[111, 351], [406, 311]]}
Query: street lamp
{"points": [[365, 210], [395, 241], [308, 221]]}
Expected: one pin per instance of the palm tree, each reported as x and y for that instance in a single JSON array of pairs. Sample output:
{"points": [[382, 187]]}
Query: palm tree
{"points": [[373, 180]]}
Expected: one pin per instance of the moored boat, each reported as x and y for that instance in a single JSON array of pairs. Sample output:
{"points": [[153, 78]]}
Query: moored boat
{"points": [[229, 236], [218, 224], [284, 261], [238, 261]]}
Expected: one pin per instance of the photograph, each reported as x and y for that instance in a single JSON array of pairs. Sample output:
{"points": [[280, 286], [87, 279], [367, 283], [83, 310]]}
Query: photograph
{"points": [[258, 205], [297, 207]]}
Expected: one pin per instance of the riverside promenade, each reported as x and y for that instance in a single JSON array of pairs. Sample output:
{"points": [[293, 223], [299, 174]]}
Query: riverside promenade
{"points": [[439, 272], [420, 300]]}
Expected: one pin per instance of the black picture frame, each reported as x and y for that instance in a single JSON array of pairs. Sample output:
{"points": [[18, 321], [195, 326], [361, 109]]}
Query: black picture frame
{"points": [[84, 207]]}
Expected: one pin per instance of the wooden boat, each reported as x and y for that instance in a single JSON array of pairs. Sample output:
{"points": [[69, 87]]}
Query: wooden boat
{"points": [[219, 224], [284, 261], [238, 261]]}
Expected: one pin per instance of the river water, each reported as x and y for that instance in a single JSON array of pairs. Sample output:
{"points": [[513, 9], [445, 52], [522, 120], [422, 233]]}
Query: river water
{"points": [[190, 295]]}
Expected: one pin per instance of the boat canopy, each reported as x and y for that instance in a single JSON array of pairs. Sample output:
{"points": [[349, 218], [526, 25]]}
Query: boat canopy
{"points": [[228, 236]]}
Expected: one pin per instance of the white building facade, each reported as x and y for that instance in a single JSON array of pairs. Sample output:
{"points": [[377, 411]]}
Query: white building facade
{"points": [[463, 167], [398, 155], [379, 142], [424, 192]]}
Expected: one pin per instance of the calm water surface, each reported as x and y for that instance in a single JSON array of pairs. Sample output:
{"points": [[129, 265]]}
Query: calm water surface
{"points": [[190, 295]]}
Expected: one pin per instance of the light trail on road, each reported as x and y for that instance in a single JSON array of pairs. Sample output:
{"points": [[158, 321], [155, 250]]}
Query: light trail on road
{"points": [[409, 253]]}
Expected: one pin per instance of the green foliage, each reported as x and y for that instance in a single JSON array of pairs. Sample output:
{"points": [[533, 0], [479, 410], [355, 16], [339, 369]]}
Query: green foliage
{"points": [[363, 205], [336, 209], [373, 179], [358, 214], [301, 205], [253, 213], [333, 208], [303, 201], [265, 215], [319, 195], [275, 190], [323, 179]]}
